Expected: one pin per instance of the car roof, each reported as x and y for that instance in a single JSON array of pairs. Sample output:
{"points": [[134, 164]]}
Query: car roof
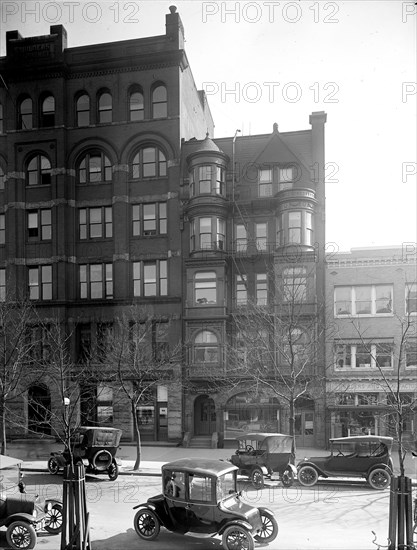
{"points": [[364, 439], [205, 466], [8, 461], [260, 436], [101, 428]]}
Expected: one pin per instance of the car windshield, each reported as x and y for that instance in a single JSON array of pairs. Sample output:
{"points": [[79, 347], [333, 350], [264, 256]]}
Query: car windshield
{"points": [[225, 486]]}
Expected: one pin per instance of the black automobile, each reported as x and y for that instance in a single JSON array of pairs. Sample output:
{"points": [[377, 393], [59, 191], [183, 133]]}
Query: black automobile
{"points": [[261, 455], [23, 515], [361, 456], [96, 447], [200, 496]]}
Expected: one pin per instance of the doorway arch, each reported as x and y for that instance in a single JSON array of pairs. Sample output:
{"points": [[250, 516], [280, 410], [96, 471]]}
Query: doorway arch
{"points": [[39, 409], [204, 415]]}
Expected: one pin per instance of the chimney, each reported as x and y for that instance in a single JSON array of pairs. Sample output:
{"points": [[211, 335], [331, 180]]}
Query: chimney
{"points": [[174, 28], [61, 32]]}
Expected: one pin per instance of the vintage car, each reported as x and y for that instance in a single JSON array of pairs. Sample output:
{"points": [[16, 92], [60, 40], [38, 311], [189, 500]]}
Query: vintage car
{"points": [[22, 514], [261, 455], [363, 456], [199, 496], [96, 447]]}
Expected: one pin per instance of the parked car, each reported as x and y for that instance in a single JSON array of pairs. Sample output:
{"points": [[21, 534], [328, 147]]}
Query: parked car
{"points": [[24, 515], [364, 456], [96, 447], [261, 455], [200, 496]]}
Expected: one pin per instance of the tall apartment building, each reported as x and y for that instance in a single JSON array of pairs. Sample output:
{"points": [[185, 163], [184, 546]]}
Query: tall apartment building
{"points": [[371, 340], [113, 193]]}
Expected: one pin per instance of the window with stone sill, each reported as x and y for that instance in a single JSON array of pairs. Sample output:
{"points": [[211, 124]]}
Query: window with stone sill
{"points": [[363, 356], [149, 219], [40, 282], [39, 225], [96, 281], [159, 102], [95, 223], [411, 299], [105, 108], [136, 106], [363, 300]]}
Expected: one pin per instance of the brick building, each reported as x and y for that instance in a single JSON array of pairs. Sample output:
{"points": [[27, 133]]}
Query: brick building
{"points": [[113, 193]]}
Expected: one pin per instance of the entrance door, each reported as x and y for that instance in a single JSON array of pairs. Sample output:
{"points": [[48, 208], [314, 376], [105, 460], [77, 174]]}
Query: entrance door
{"points": [[204, 416], [304, 428], [39, 409]]}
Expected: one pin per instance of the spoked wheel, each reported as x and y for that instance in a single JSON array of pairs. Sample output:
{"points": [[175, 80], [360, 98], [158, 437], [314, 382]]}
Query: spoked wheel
{"points": [[307, 476], [237, 538], [146, 524], [379, 479], [55, 519], [21, 535], [269, 528], [53, 465], [257, 478], [113, 471], [287, 477]]}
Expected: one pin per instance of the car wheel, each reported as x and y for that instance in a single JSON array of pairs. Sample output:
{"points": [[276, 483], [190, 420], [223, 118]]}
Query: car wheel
{"points": [[113, 471], [146, 524], [55, 519], [53, 465], [236, 537], [287, 477], [307, 476], [20, 535], [257, 478], [269, 530], [379, 479]]}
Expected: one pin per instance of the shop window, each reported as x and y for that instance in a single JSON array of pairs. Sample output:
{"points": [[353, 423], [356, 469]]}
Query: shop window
{"points": [[94, 167], [159, 102], [149, 162], [294, 284], [96, 281], [48, 111], [2, 285], [363, 300], [95, 223], [25, 117], [150, 278], [38, 171], [105, 114], [39, 224], [83, 110], [205, 288], [136, 106], [411, 299], [40, 282], [206, 347]]}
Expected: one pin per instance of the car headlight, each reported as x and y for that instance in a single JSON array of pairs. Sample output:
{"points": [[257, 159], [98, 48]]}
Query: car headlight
{"points": [[48, 506]]}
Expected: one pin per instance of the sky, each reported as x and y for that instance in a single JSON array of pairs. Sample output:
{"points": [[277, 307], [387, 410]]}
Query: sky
{"points": [[262, 62]]}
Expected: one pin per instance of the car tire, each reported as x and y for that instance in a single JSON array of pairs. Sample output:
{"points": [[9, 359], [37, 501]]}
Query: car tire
{"points": [[55, 519], [113, 471], [102, 460], [21, 535], [236, 537], [146, 524], [257, 478], [269, 528], [379, 479], [53, 465], [307, 476], [287, 477]]}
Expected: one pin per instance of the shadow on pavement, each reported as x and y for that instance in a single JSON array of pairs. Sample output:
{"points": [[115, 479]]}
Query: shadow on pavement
{"points": [[165, 541]]}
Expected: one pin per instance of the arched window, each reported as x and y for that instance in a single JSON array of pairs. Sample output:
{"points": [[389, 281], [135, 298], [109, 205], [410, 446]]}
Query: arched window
{"points": [[149, 162], [136, 106], [82, 107], [38, 171], [1, 119], [48, 111], [25, 121], [94, 167], [105, 108], [206, 347], [159, 102], [2, 178]]}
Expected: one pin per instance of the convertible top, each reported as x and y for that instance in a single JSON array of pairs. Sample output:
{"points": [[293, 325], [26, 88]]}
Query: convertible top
{"points": [[201, 466], [388, 441], [257, 436]]}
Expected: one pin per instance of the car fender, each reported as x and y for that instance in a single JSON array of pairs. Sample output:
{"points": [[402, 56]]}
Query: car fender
{"points": [[308, 463], [145, 505], [260, 467], [263, 509], [292, 468], [241, 523], [27, 518], [382, 466]]}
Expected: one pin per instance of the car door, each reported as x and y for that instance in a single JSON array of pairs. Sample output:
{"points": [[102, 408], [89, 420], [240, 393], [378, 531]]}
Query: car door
{"points": [[176, 499], [202, 504]]}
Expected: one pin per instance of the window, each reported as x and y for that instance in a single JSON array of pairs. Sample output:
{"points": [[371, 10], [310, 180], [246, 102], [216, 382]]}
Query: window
{"points": [[208, 234], [410, 351], [25, 121], [150, 278], [241, 290], [2, 285], [295, 284], [104, 403], [2, 179], [38, 171], [94, 167], [160, 345], [1, 119], [95, 223], [205, 288], [159, 102], [363, 356], [149, 219], [411, 298], [261, 236], [38, 342], [83, 110], [84, 341], [295, 348], [308, 229], [40, 282], [208, 179], [206, 347], [149, 162], [261, 289], [363, 300], [105, 108], [2, 229], [241, 238], [265, 182], [286, 178], [294, 227], [136, 106], [48, 111], [96, 281], [200, 488], [39, 224]]}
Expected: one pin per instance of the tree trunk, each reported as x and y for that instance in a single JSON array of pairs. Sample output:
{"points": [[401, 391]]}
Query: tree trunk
{"points": [[3, 430], [136, 432], [292, 430]]}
